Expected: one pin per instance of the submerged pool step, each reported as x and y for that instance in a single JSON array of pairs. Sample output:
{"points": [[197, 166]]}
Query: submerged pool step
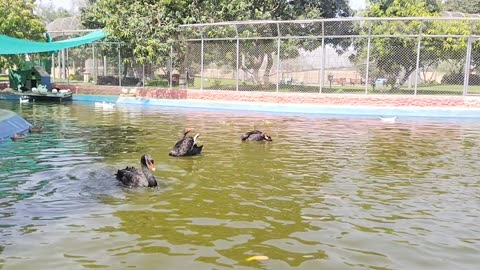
{"points": [[11, 123]]}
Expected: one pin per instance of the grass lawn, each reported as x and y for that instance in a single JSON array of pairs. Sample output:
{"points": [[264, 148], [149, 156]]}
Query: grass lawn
{"points": [[230, 84]]}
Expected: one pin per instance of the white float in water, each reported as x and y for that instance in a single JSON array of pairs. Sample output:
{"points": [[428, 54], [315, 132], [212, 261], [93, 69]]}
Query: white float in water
{"points": [[392, 119]]}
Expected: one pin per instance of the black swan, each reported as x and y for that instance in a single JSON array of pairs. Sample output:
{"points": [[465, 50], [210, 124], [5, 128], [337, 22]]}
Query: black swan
{"points": [[256, 135], [17, 137], [35, 129], [139, 178], [186, 146]]}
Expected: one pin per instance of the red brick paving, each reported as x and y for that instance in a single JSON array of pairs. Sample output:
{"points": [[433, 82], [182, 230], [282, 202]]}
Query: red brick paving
{"points": [[287, 98]]}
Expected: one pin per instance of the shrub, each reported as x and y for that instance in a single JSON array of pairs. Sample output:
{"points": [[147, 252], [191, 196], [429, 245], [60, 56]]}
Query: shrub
{"points": [[160, 83], [113, 80], [455, 78]]}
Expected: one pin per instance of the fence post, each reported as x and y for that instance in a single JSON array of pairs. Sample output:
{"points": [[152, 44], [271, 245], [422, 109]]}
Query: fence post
{"points": [[63, 64], [468, 60], [170, 68], [322, 68], [278, 56], [238, 59], [467, 66], [94, 64], [367, 71], [119, 66], [66, 66], [419, 46], [53, 68], [201, 60]]}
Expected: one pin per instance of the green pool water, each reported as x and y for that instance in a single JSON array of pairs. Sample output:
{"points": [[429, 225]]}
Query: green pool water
{"points": [[327, 193]]}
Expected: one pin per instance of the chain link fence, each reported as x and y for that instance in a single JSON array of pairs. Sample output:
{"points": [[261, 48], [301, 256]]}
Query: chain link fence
{"points": [[414, 56]]}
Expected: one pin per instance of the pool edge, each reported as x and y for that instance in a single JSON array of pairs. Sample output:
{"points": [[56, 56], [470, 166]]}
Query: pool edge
{"points": [[358, 110]]}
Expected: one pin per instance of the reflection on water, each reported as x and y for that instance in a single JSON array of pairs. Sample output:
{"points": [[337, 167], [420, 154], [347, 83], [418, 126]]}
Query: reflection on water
{"points": [[327, 193]]}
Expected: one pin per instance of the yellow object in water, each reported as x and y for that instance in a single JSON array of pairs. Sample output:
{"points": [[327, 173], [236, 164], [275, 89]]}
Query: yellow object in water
{"points": [[257, 258]]}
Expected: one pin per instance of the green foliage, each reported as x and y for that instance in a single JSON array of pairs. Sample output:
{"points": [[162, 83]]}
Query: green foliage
{"points": [[458, 78], [149, 28], [470, 6], [395, 58], [18, 20]]}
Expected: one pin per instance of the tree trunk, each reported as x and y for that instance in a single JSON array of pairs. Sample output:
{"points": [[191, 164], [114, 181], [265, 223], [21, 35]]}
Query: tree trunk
{"points": [[125, 70], [404, 79], [255, 75], [266, 75]]}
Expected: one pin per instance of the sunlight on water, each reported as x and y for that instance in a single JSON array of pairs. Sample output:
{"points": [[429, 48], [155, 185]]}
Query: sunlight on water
{"points": [[327, 193]]}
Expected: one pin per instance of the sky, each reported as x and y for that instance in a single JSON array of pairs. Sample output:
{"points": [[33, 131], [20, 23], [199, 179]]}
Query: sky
{"points": [[66, 4], [357, 4], [69, 4]]}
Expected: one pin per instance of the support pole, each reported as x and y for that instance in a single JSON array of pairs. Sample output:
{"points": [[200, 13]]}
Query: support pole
{"points": [[468, 60], [278, 56], [419, 46], [238, 59], [119, 66], [322, 69], [367, 71], [201, 63], [143, 76], [171, 67], [53, 67]]}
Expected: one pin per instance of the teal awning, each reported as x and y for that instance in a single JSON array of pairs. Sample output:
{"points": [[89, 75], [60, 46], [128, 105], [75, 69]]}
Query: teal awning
{"points": [[9, 45]]}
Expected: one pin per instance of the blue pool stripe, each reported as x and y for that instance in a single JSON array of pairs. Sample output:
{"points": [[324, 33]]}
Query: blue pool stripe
{"points": [[292, 108]]}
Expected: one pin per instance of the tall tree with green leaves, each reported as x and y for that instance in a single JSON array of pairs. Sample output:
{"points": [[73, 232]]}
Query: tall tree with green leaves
{"points": [[17, 19], [257, 52], [470, 6], [149, 28], [396, 57]]}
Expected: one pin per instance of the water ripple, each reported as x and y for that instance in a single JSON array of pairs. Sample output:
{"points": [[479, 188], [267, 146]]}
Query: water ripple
{"points": [[328, 192]]}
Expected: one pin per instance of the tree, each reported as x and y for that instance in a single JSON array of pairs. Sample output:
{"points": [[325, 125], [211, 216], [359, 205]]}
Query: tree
{"points": [[18, 20], [396, 57], [470, 6], [149, 28], [255, 51]]}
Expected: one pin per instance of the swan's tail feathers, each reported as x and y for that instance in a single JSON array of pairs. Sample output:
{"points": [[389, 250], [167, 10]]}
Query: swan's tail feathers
{"points": [[197, 149], [195, 138]]}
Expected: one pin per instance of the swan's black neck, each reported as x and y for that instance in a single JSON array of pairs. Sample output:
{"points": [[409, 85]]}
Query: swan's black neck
{"points": [[152, 182]]}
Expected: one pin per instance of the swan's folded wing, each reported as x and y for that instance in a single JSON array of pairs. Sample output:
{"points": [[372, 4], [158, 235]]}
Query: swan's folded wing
{"points": [[196, 150], [128, 176], [250, 133]]}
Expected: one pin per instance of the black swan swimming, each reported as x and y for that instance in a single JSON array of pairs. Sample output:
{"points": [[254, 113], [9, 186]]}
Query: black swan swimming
{"points": [[186, 146], [17, 136], [35, 129], [139, 178], [256, 135]]}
